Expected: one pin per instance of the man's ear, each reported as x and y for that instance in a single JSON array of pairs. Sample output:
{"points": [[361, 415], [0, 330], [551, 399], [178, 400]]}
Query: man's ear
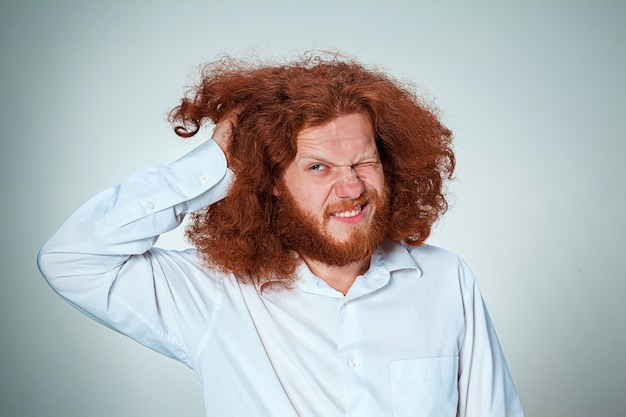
{"points": [[275, 191]]}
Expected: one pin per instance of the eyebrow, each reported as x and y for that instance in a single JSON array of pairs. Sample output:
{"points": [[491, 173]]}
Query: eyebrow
{"points": [[367, 157]]}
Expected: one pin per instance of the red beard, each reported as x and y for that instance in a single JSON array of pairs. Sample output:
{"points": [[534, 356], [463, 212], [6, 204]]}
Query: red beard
{"points": [[301, 232]]}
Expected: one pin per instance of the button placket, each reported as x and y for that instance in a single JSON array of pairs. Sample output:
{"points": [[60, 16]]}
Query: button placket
{"points": [[350, 344], [348, 334]]}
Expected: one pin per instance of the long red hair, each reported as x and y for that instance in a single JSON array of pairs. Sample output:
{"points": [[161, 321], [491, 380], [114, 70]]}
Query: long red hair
{"points": [[277, 101]]}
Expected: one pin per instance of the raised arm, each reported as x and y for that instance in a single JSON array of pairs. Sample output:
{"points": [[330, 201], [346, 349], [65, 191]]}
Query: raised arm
{"points": [[102, 259]]}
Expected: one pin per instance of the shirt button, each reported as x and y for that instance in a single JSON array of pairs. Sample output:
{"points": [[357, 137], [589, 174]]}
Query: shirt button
{"points": [[204, 179], [352, 363], [150, 205]]}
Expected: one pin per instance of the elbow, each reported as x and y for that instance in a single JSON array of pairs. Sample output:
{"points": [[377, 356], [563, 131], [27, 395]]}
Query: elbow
{"points": [[56, 266], [45, 263], [69, 271]]}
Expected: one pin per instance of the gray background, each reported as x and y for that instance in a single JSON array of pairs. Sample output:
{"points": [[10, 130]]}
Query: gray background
{"points": [[534, 91]]}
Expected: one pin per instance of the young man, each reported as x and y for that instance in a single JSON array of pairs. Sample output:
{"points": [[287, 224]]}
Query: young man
{"points": [[310, 291]]}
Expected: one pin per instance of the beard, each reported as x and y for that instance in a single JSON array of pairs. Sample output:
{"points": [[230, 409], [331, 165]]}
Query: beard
{"points": [[301, 232]]}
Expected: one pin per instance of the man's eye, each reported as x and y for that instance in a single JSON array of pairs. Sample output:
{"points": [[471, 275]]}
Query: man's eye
{"points": [[317, 167]]}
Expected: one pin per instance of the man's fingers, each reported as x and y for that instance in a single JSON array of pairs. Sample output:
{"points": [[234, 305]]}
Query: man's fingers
{"points": [[223, 133]]}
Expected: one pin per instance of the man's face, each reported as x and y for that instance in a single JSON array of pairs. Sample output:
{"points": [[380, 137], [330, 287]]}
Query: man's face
{"points": [[335, 184]]}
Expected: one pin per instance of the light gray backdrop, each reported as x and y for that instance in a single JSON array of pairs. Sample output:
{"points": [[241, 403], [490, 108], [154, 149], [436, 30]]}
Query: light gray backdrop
{"points": [[534, 91]]}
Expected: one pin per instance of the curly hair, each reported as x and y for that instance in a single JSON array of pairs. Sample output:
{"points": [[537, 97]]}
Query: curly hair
{"points": [[277, 101]]}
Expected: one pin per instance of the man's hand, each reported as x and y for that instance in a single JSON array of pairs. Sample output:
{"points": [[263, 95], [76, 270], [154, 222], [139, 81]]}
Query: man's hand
{"points": [[223, 133]]}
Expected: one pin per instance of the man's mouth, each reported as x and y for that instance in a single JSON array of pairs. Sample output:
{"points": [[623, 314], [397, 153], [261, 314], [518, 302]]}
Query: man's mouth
{"points": [[355, 211]]}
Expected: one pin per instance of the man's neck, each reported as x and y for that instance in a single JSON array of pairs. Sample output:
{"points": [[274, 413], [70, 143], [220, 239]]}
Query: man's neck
{"points": [[340, 278]]}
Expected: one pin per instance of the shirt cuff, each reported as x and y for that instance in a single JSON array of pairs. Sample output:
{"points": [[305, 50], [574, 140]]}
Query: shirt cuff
{"points": [[203, 175]]}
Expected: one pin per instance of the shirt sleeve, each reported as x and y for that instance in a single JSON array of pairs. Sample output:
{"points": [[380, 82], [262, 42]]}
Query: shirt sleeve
{"points": [[485, 384], [102, 259]]}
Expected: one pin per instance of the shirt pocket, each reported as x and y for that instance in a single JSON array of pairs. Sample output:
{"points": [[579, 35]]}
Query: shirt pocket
{"points": [[425, 387]]}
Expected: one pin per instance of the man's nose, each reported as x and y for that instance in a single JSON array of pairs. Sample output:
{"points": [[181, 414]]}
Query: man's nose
{"points": [[349, 185]]}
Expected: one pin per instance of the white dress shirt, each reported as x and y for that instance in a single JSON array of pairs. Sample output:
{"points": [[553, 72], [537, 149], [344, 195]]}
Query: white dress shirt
{"points": [[412, 337]]}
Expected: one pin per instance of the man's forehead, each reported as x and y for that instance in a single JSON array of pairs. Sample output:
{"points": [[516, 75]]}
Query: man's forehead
{"points": [[362, 116], [345, 127]]}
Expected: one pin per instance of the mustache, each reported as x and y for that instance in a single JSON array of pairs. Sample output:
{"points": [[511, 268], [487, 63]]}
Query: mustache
{"points": [[346, 205]]}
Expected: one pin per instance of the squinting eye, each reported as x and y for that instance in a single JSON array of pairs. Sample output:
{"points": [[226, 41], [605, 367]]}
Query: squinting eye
{"points": [[365, 166], [317, 167]]}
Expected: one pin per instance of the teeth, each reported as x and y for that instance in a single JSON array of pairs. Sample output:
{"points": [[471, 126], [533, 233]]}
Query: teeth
{"points": [[352, 213]]}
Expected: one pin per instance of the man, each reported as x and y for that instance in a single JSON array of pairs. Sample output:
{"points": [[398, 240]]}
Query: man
{"points": [[310, 291]]}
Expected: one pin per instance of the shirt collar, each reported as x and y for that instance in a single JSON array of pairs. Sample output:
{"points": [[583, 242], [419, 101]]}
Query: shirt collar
{"points": [[389, 257], [394, 256]]}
